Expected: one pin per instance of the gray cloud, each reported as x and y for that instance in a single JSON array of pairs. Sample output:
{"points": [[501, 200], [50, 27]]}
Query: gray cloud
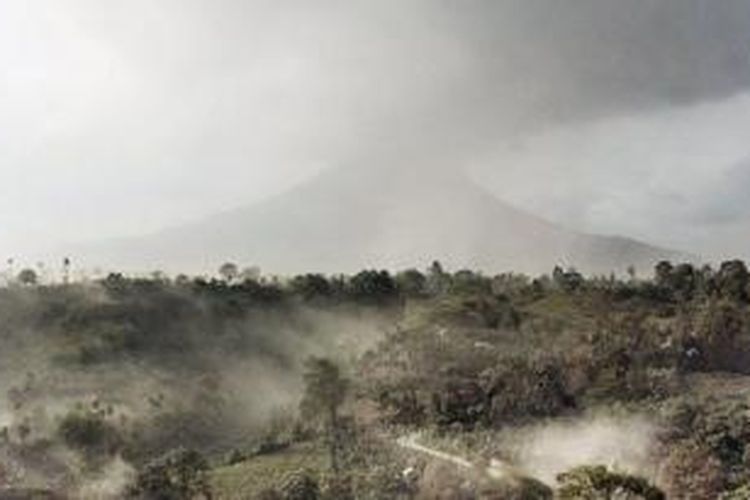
{"points": [[676, 176], [123, 117], [726, 200]]}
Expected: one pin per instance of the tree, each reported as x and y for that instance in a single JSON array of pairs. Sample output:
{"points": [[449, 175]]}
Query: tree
{"points": [[373, 285], [632, 273], [684, 282], [311, 286], [251, 273], [681, 282], [568, 281], [706, 281], [721, 332], [28, 277], [229, 271], [325, 392], [437, 279], [66, 270], [663, 273], [467, 282], [411, 283], [89, 433], [733, 279], [596, 482]]}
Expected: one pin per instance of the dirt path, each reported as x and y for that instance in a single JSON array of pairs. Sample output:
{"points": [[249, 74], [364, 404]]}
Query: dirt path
{"points": [[496, 470], [410, 442]]}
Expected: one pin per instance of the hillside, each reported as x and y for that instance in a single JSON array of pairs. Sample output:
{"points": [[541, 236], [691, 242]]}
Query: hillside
{"points": [[444, 385], [348, 218]]}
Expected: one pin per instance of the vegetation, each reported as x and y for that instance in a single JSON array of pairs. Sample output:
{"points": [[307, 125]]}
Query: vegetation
{"points": [[90, 433], [177, 475], [600, 483], [378, 385], [325, 391]]}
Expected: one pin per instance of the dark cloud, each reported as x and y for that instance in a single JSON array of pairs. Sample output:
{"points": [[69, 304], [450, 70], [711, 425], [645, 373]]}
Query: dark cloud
{"points": [[443, 70]]}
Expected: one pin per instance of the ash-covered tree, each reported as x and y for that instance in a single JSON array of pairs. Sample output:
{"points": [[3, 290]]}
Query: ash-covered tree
{"points": [[28, 277], [251, 273], [229, 271], [325, 392]]}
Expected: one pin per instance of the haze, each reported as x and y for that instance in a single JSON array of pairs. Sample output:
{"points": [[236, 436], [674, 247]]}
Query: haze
{"points": [[606, 116]]}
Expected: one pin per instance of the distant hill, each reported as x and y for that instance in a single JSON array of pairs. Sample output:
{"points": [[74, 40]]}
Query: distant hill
{"points": [[347, 219]]}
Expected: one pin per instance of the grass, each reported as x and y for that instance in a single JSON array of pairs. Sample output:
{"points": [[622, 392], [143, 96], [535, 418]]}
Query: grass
{"points": [[246, 479]]}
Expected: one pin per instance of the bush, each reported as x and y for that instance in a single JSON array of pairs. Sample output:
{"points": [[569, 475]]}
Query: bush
{"points": [[691, 471], [721, 426], [597, 482], [740, 493], [178, 475], [89, 433], [520, 388], [299, 485], [268, 494], [515, 488]]}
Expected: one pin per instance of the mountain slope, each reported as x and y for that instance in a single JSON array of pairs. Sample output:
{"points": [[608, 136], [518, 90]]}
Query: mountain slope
{"points": [[348, 219]]}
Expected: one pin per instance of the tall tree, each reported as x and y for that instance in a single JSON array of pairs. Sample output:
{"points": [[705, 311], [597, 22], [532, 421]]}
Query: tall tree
{"points": [[66, 270], [325, 392]]}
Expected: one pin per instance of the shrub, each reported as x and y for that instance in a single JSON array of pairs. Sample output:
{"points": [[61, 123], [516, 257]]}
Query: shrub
{"points": [[268, 494], [178, 475], [597, 482], [89, 433], [691, 471], [299, 485]]}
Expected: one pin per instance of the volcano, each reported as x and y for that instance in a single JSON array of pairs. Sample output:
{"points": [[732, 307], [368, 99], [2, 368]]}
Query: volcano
{"points": [[347, 219]]}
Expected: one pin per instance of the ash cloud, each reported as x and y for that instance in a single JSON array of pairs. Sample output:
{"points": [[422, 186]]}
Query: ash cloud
{"points": [[136, 117]]}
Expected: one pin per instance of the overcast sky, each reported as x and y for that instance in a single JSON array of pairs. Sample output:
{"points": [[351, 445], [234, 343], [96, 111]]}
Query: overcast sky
{"points": [[623, 117]]}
